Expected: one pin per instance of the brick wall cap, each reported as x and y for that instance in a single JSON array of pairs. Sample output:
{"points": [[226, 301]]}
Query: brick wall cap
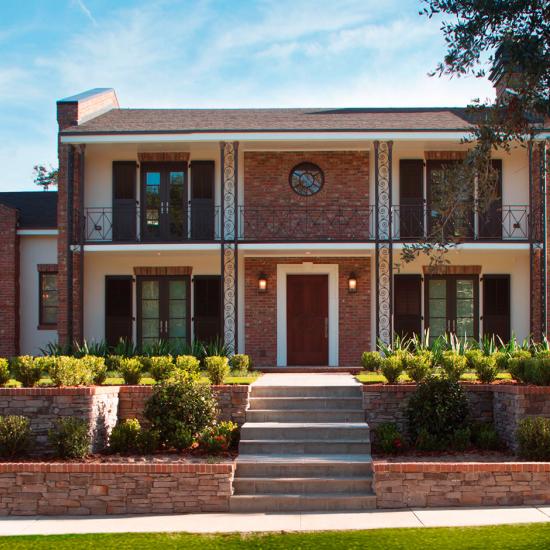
{"points": [[381, 466], [52, 391]]}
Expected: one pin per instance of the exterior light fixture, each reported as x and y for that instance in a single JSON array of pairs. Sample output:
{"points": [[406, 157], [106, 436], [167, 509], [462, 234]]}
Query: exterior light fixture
{"points": [[352, 283], [262, 283]]}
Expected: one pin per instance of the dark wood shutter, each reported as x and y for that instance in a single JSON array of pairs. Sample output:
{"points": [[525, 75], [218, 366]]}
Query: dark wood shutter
{"points": [[124, 201], [118, 309], [202, 200], [411, 191], [496, 306], [490, 221], [207, 307], [407, 305]]}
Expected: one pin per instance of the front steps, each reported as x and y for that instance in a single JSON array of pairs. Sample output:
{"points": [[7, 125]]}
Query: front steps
{"points": [[304, 447]]}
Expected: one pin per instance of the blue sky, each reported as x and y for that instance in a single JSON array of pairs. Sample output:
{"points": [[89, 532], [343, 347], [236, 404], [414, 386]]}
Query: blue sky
{"points": [[232, 53]]}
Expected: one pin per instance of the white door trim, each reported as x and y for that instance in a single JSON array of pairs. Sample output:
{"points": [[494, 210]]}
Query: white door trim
{"points": [[308, 268]]}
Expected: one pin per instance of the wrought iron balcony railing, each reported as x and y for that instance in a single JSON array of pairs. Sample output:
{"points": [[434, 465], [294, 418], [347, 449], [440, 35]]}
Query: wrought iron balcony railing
{"points": [[202, 223]]}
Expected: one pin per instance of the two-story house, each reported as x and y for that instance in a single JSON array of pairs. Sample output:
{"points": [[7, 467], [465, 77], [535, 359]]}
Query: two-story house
{"points": [[281, 230]]}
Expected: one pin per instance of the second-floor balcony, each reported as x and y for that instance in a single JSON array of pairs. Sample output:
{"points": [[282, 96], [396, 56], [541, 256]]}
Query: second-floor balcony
{"points": [[202, 223]]}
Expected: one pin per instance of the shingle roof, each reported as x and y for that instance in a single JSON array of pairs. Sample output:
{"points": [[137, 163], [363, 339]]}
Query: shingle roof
{"points": [[37, 209], [266, 120]]}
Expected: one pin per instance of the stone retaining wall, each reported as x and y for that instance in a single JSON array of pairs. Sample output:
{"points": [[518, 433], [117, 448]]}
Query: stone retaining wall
{"points": [[232, 401], [424, 484], [83, 489], [98, 405]]}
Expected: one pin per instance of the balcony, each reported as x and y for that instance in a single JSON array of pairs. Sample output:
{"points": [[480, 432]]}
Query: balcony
{"points": [[202, 223]]}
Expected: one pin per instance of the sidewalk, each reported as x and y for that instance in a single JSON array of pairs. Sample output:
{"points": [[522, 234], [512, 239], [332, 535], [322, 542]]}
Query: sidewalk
{"points": [[226, 523]]}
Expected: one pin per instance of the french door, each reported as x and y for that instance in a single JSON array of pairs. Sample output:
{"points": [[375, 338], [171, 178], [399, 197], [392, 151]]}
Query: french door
{"points": [[452, 305], [163, 309], [164, 201]]}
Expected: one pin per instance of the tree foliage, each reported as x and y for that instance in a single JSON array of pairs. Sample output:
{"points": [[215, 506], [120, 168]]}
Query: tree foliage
{"points": [[45, 177]]}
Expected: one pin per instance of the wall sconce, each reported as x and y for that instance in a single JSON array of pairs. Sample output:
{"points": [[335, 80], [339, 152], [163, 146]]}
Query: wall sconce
{"points": [[352, 283], [262, 282]]}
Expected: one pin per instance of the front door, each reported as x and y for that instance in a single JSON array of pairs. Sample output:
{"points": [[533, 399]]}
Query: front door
{"points": [[163, 309], [452, 305], [163, 192], [307, 319]]}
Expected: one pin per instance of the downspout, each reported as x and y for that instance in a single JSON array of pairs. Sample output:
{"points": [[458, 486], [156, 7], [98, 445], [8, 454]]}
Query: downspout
{"points": [[81, 226], [69, 251]]}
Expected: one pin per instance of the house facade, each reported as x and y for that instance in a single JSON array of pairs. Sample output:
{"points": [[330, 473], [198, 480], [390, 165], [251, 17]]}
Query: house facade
{"points": [[278, 230]]}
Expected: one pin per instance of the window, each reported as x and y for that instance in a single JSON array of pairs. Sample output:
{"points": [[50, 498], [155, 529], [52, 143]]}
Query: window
{"points": [[306, 179], [47, 299]]}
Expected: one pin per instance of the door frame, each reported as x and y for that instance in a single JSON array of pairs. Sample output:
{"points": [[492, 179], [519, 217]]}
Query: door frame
{"points": [[308, 268]]}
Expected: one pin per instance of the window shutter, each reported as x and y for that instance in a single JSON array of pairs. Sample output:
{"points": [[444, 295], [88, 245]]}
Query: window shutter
{"points": [[407, 292], [496, 306], [124, 221]]}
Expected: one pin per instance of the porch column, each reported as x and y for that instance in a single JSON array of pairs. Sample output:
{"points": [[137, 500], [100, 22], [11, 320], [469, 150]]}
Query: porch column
{"points": [[229, 243], [383, 236], [538, 173]]}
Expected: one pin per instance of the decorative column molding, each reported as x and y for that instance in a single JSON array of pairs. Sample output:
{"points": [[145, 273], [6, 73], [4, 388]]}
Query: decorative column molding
{"points": [[229, 242], [384, 247]]}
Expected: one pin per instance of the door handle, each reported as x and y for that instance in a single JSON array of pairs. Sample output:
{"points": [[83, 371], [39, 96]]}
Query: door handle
{"points": [[326, 327]]}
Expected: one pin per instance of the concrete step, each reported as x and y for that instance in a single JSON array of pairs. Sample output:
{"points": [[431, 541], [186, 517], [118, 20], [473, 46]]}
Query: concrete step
{"points": [[303, 466], [305, 415], [306, 391], [310, 370], [300, 447], [330, 431], [302, 485], [310, 403], [301, 503]]}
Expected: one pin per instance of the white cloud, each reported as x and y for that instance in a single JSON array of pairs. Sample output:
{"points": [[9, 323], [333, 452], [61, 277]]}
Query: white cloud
{"points": [[85, 10]]}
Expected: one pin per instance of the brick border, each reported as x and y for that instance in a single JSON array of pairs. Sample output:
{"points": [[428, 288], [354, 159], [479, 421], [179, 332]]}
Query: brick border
{"points": [[381, 466]]}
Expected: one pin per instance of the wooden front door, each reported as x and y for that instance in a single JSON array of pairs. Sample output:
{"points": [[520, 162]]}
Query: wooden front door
{"points": [[307, 319]]}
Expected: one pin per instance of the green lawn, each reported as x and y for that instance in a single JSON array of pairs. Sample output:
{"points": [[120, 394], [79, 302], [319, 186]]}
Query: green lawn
{"points": [[502, 537], [375, 378]]}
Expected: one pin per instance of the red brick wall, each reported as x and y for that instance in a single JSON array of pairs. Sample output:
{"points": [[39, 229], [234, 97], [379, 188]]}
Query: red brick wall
{"points": [[9, 282], [261, 308], [346, 187]]}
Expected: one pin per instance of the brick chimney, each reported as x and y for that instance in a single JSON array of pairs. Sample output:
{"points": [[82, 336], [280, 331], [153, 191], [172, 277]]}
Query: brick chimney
{"points": [[505, 75], [79, 108]]}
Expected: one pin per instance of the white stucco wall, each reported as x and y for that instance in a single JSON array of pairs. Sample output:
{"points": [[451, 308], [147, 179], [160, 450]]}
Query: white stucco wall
{"points": [[34, 250]]}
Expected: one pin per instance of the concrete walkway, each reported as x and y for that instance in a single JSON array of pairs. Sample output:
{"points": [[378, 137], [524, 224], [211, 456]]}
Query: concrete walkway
{"points": [[247, 523]]}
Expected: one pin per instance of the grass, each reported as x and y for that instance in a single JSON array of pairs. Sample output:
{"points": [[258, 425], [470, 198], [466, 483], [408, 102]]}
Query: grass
{"points": [[366, 377], [501, 537]]}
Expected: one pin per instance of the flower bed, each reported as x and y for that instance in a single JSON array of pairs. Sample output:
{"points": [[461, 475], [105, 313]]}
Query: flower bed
{"points": [[69, 488], [432, 484]]}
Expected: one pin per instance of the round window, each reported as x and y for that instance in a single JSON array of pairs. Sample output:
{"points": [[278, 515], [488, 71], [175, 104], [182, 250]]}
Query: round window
{"points": [[306, 179]]}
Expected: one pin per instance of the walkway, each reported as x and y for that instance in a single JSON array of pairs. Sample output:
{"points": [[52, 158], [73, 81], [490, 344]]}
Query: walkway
{"points": [[247, 523]]}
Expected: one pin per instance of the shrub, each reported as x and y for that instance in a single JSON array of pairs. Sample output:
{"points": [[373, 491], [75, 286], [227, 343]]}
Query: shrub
{"points": [[15, 435], [219, 437], [26, 370], [388, 438], [472, 358], [371, 361], [536, 370], [392, 367], [181, 438], [501, 360], [418, 366], [516, 364], [461, 439], [70, 437], [131, 369], [188, 364], [217, 368], [70, 371], [161, 367], [180, 400], [486, 368], [485, 437], [533, 435], [4, 371], [435, 411], [97, 367], [129, 437], [113, 362], [240, 362], [453, 364]]}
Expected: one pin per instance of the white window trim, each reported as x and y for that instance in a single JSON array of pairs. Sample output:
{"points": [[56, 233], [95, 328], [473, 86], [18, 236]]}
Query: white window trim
{"points": [[308, 268]]}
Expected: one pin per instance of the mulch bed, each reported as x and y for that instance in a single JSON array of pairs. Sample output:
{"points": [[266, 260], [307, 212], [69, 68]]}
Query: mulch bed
{"points": [[448, 456]]}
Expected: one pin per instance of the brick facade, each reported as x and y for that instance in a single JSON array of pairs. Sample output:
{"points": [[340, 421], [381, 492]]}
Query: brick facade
{"points": [[98, 489], [9, 282], [354, 323], [424, 484]]}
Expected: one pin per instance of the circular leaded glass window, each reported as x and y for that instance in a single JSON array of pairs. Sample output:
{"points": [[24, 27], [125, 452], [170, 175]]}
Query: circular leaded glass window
{"points": [[306, 179]]}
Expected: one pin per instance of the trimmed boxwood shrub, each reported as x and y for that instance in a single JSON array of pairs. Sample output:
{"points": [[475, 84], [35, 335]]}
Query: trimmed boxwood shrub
{"points": [[161, 367], [486, 368], [26, 370], [371, 361], [485, 437], [181, 400], [70, 437], [240, 362], [96, 366], [453, 364], [15, 435], [128, 436], [533, 436], [388, 438], [392, 367], [4, 371], [70, 371], [417, 366], [131, 370], [436, 410], [472, 357], [188, 364], [217, 368]]}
